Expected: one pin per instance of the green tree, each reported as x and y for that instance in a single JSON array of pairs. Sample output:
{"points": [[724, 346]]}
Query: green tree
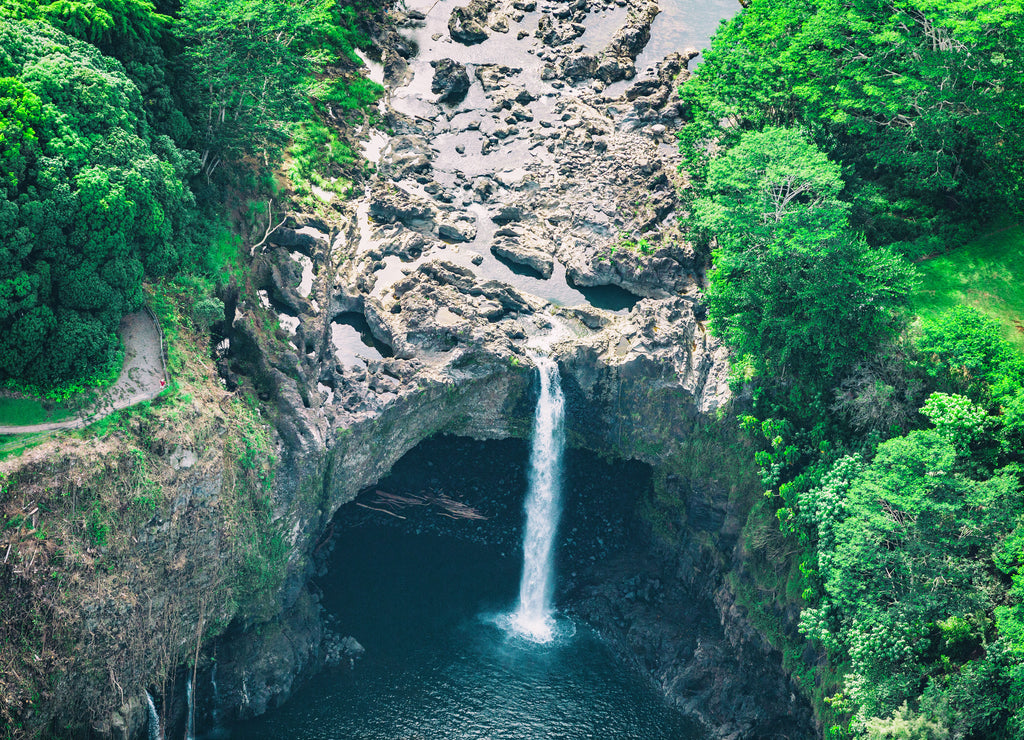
{"points": [[904, 558], [792, 288], [255, 66], [968, 352], [919, 99], [92, 200]]}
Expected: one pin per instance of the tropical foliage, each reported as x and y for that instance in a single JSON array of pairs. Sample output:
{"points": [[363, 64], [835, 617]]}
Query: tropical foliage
{"points": [[828, 140], [91, 199], [920, 100], [111, 115], [794, 289]]}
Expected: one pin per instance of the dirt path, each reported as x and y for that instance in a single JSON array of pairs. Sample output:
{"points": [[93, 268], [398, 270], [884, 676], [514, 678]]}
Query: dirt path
{"points": [[142, 378]]}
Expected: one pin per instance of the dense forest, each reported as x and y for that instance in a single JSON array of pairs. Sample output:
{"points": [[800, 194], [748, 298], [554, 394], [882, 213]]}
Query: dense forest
{"points": [[829, 145], [126, 132]]}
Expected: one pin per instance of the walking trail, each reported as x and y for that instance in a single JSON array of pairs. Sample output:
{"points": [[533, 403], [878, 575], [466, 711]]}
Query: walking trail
{"points": [[143, 377]]}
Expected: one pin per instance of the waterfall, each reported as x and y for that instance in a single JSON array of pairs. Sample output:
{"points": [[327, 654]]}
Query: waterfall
{"points": [[190, 730], [533, 616], [154, 719], [216, 693]]}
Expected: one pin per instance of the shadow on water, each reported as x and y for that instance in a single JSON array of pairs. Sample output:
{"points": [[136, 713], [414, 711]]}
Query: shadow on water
{"points": [[608, 297], [436, 667], [421, 595], [520, 270], [353, 341]]}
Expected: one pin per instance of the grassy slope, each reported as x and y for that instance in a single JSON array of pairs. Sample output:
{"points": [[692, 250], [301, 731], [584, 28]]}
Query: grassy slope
{"points": [[23, 411], [988, 274]]}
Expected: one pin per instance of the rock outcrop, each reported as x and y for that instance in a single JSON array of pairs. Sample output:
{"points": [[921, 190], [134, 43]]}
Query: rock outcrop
{"points": [[450, 80], [468, 24]]}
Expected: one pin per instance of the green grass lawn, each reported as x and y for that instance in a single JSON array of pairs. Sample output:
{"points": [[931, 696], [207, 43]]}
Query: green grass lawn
{"points": [[22, 411], [987, 273]]}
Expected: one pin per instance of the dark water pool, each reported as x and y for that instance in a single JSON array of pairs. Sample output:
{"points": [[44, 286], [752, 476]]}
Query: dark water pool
{"points": [[437, 667]]}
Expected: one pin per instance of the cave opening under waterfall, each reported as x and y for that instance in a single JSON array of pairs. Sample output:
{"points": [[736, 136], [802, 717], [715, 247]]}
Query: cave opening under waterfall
{"points": [[420, 568]]}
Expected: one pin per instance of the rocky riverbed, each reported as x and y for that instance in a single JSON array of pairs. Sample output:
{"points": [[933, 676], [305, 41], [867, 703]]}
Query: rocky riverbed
{"points": [[526, 181]]}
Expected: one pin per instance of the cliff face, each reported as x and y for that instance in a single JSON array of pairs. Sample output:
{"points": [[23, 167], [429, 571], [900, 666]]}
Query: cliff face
{"points": [[125, 547], [197, 517]]}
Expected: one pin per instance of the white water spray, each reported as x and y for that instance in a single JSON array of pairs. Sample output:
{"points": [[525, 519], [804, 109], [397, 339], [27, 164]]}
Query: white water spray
{"points": [[533, 616], [216, 694], [154, 720], [190, 729]]}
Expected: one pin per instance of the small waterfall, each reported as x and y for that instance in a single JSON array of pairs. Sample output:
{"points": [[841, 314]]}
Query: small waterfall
{"points": [[154, 719], [190, 729], [216, 693], [533, 616]]}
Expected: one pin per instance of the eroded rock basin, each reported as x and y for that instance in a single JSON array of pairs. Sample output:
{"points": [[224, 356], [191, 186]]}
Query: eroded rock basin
{"points": [[436, 666], [422, 594], [643, 651]]}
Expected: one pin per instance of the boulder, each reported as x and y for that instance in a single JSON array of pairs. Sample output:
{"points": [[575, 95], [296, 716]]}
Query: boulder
{"points": [[507, 214], [450, 80], [468, 25], [460, 230], [523, 254], [406, 156], [391, 206], [579, 67]]}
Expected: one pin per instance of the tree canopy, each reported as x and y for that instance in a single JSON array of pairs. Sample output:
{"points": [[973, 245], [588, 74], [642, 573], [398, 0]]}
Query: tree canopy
{"points": [[793, 288], [91, 199], [100, 105], [827, 141], [920, 100]]}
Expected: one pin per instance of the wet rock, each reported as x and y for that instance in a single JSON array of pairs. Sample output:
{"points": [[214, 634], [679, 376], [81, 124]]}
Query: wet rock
{"points": [[554, 34], [655, 98], [391, 206], [524, 254], [350, 647], [461, 230], [406, 156], [508, 214], [468, 25], [304, 240], [407, 246], [450, 80], [483, 187], [494, 76], [257, 671], [510, 96], [579, 67], [612, 69], [500, 23]]}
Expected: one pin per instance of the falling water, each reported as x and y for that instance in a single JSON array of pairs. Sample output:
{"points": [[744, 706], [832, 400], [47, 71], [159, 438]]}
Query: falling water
{"points": [[154, 719], [216, 693], [533, 616], [190, 730]]}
